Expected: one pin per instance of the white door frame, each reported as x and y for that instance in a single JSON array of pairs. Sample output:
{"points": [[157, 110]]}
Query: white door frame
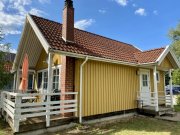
{"points": [[148, 94]]}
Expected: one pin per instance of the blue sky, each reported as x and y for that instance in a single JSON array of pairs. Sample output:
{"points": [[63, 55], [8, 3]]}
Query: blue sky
{"points": [[143, 23]]}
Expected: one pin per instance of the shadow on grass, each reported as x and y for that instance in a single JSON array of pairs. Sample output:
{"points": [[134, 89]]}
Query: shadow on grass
{"points": [[133, 126], [4, 128]]}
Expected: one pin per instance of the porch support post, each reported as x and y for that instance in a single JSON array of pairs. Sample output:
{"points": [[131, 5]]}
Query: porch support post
{"points": [[49, 89], [171, 91], [15, 80], [155, 88]]}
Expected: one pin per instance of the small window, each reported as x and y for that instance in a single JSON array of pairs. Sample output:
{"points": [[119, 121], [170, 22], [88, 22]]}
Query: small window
{"points": [[56, 79], [39, 80], [45, 84], [145, 80], [158, 77], [30, 82]]}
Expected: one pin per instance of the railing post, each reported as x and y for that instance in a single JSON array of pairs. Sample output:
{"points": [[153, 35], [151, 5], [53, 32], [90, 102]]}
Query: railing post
{"points": [[17, 113], [49, 89], [8, 98], [155, 88], [76, 98], [2, 103], [171, 91]]}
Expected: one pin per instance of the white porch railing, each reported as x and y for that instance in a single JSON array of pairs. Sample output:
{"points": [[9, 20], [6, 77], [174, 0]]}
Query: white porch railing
{"points": [[164, 98], [22, 106], [150, 99], [147, 99]]}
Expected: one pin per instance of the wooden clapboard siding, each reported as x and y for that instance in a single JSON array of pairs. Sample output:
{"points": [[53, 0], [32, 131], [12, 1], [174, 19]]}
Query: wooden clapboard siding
{"points": [[166, 64], [107, 87], [41, 64]]}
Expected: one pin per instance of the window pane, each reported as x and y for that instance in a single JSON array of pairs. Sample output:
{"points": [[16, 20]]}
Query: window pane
{"points": [[40, 80], [157, 76], [145, 80], [56, 79], [30, 82]]}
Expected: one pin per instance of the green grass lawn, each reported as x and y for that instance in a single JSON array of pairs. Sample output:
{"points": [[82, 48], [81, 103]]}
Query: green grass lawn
{"points": [[177, 108], [4, 128], [133, 126]]}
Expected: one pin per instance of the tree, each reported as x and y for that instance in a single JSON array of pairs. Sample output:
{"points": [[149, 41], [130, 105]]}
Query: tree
{"points": [[175, 36], [5, 77]]}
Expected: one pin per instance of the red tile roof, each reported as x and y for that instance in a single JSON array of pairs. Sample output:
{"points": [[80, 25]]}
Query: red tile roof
{"points": [[149, 56], [87, 43]]}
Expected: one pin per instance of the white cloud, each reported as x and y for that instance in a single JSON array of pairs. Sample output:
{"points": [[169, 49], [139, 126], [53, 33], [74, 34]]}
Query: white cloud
{"points": [[122, 2], [84, 24], [13, 14], [37, 12], [13, 50], [141, 12], [5, 49], [155, 12], [44, 1], [1, 5], [102, 11]]}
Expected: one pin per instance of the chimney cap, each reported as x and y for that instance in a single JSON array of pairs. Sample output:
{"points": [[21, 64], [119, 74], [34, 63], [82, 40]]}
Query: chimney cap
{"points": [[69, 3]]}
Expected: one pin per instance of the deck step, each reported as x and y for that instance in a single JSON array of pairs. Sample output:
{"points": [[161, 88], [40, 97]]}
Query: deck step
{"points": [[166, 111], [171, 114]]}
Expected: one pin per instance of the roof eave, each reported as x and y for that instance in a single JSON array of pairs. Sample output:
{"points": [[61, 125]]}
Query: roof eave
{"points": [[19, 49], [164, 54], [82, 56], [38, 33]]}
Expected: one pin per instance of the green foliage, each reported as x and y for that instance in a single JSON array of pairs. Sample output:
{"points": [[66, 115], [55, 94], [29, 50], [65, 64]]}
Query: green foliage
{"points": [[176, 77], [5, 77], [175, 36], [178, 100]]}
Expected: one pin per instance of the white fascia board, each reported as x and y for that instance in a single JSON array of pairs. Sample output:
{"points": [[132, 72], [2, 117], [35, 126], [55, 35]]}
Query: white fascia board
{"points": [[175, 58], [102, 59], [163, 55], [81, 56], [38, 33], [15, 63]]}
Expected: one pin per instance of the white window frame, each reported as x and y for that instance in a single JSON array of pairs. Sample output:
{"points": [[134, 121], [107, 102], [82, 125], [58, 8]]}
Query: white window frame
{"points": [[54, 81], [46, 70]]}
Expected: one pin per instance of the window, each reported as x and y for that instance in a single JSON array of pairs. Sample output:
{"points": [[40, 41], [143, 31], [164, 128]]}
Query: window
{"points": [[55, 79], [145, 80], [30, 82], [43, 79], [45, 82], [158, 77], [39, 80]]}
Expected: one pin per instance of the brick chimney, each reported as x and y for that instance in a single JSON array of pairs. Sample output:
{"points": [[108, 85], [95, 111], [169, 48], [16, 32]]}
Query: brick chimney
{"points": [[68, 22]]}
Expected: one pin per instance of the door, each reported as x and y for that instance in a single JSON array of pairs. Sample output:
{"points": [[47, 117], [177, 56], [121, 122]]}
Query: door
{"points": [[145, 87]]}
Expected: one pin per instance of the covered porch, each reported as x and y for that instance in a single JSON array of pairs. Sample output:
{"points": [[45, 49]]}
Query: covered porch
{"points": [[50, 99], [152, 98]]}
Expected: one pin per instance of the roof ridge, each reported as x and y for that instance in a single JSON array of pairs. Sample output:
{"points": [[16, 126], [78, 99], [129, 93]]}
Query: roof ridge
{"points": [[90, 33]]}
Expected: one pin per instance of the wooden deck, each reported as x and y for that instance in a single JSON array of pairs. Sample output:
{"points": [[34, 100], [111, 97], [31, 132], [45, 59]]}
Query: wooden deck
{"points": [[36, 123], [27, 116], [151, 110]]}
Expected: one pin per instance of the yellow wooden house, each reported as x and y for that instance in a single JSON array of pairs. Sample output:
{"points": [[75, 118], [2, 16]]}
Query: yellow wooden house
{"points": [[109, 76]]}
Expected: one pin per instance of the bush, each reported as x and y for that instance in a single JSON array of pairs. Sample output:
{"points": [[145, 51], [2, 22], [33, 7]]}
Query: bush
{"points": [[178, 100]]}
